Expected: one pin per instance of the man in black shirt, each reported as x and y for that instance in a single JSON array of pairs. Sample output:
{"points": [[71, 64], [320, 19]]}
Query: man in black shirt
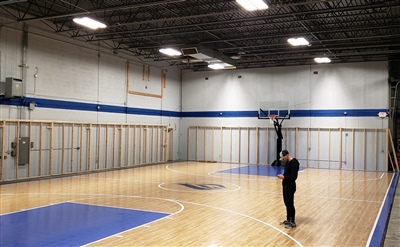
{"points": [[289, 187]]}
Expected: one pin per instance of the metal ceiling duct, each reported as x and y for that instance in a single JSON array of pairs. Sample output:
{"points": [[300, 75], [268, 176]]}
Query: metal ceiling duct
{"points": [[204, 54]]}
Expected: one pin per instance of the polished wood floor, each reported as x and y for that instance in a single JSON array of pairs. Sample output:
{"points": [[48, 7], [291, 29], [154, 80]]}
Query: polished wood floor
{"points": [[334, 208]]}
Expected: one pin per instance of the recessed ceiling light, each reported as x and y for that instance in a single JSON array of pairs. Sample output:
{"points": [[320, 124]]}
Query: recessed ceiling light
{"points": [[90, 23], [170, 52], [322, 60], [298, 41], [216, 66], [221, 65], [251, 5]]}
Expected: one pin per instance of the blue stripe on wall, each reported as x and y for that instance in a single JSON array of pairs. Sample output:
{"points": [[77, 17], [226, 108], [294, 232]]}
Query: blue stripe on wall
{"points": [[337, 113], [210, 114], [293, 113], [79, 106]]}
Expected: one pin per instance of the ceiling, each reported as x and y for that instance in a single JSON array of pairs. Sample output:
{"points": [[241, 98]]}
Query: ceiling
{"points": [[345, 30]]}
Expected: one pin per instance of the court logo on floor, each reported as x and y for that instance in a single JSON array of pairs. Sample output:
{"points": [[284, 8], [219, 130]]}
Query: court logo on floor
{"points": [[204, 186]]}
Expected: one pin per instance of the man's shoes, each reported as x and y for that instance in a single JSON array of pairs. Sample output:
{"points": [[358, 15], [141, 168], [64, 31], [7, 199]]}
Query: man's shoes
{"points": [[290, 225], [285, 222]]}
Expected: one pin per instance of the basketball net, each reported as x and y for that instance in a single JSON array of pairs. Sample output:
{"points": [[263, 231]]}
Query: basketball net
{"points": [[272, 118]]}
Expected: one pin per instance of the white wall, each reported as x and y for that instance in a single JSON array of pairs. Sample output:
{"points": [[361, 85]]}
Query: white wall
{"points": [[74, 72], [343, 87], [70, 72], [336, 86]]}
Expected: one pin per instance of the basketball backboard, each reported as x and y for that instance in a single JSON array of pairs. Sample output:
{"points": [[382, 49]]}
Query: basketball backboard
{"points": [[281, 109]]}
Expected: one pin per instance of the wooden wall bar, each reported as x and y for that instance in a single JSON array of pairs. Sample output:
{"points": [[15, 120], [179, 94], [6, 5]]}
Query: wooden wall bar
{"points": [[63, 148], [341, 148]]}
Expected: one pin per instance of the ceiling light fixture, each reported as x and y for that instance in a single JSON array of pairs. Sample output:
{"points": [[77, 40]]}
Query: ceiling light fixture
{"points": [[216, 66], [322, 60], [298, 41], [170, 52], [90, 23], [252, 5], [236, 57]]}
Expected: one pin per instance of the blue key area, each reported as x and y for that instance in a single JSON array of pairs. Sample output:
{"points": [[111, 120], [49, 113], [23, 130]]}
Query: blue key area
{"points": [[259, 170], [69, 224]]}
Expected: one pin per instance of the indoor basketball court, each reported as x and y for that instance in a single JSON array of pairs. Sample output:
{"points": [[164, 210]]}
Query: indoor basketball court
{"points": [[171, 122], [197, 204]]}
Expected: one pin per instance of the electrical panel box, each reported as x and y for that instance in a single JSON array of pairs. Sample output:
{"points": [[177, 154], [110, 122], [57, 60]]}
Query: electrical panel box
{"points": [[2, 88], [24, 149], [13, 87]]}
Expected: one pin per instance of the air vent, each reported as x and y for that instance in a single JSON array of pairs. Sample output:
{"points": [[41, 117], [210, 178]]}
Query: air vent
{"points": [[189, 51]]}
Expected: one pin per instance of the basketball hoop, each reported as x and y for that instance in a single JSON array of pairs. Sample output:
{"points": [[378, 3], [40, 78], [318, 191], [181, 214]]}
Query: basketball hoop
{"points": [[272, 118]]}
